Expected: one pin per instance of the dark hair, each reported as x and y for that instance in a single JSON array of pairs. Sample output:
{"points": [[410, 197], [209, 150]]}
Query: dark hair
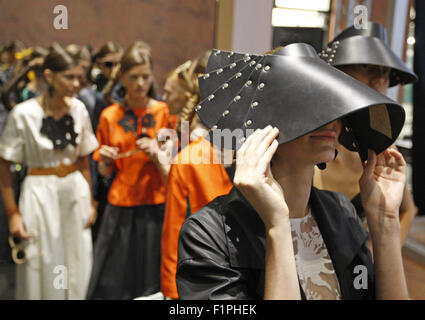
{"points": [[107, 48], [58, 59]]}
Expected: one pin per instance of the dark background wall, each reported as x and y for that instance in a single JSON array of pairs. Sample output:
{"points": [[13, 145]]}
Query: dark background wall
{"points": [[419, 110], [177, 30]]}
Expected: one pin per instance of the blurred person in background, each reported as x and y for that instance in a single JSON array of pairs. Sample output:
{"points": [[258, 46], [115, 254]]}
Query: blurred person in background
{"points": [[127, 249], [28, 81], [105, 63], [192, 185], [83, 56]]}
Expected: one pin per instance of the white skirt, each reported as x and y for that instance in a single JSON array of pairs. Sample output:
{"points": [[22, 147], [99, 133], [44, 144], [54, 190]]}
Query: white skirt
{"points": [[59, 255]]}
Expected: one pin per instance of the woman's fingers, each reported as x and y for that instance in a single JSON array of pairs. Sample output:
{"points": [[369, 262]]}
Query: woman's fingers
{"points": [[22, 232], [398, 158], [257, 144], [268, 155], [110, 152], [371, 163], [144, 143], [261, 141], [92, 218]]}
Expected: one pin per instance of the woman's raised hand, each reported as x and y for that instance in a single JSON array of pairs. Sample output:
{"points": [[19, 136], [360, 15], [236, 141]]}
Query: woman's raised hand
{"points": [[381, 188], [149, 146], [108, 154], [254, 179]]}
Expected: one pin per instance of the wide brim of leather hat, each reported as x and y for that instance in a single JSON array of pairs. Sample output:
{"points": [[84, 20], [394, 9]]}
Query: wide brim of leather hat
{"points": [[368, 50], [297, 92]]}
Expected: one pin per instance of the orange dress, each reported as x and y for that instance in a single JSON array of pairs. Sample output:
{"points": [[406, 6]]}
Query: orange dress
{"points": [[138, 181], [190, 186]]}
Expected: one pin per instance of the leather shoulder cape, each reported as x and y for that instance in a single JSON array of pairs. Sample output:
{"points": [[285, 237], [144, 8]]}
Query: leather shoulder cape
{"points": [[222, 248]]}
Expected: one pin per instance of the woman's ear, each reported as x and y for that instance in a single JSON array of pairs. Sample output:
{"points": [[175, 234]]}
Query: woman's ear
{"points": [[48, 76]]}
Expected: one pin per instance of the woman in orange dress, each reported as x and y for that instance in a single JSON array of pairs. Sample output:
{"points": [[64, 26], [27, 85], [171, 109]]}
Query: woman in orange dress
{"points": [[127, 251], [196, 176]]}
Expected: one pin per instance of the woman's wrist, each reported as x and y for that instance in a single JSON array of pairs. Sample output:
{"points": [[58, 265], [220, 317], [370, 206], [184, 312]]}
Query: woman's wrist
{"points": [[282, 226], [106, 163], [382, 229], [105, 169], [11, 211]]}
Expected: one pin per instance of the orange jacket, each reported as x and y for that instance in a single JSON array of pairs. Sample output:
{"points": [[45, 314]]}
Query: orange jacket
{"points": [[138, 181], [189, 187]]}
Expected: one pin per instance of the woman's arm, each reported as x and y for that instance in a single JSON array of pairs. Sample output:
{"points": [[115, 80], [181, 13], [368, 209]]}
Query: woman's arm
{"points": [[381, 189], [106, 165], [254, 180], [83, 164], [16, 223], [151, 148], [176, 208], [408, 211]]}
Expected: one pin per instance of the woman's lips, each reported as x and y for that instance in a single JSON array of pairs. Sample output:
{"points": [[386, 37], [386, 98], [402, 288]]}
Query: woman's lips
{"points": [[327, 135]]}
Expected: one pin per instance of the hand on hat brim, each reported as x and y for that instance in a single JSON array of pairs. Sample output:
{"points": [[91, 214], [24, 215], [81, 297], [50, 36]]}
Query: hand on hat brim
{"points": [[254, 179], [381, 188]]}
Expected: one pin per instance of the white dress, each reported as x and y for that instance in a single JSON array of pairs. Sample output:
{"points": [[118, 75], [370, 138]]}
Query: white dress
{"points": [[55, 210]]}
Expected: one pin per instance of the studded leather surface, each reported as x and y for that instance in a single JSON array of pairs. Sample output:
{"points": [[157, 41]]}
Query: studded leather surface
{"points": [[297, 92]]}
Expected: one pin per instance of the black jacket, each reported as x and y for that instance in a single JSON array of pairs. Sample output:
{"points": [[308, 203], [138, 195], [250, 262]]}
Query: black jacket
{"points": [[221, 252]]}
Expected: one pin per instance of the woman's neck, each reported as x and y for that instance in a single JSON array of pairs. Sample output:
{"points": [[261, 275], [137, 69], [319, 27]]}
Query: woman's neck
{"points": [[296, 181], [55, 106], [136, 103], [57, 103]]}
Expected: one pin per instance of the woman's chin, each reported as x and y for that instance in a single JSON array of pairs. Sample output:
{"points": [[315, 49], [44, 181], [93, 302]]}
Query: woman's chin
{"points": [[326, 157], [139, 95]]}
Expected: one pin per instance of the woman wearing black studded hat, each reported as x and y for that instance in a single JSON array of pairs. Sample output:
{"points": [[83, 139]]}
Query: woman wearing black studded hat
{"points": [[364, 55], [274, 236]]}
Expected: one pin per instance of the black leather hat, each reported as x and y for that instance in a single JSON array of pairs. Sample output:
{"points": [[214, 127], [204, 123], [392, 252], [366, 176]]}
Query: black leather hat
{"points": [[367, 46], [297, 92]]}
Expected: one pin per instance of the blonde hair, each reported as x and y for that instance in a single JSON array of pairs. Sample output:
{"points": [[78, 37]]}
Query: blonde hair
{"points": [[187, 75]]}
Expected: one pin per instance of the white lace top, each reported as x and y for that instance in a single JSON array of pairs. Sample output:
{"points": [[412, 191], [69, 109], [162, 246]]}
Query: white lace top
{"points": [[314, 266]]}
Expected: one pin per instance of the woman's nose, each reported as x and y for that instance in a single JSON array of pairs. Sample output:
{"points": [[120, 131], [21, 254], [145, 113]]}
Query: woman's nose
{"points": [[76, 83], [335, 125], [381, 85], [140, 82]]}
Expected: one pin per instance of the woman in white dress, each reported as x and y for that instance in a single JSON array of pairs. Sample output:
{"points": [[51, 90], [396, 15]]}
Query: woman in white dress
{"points": [[53, 137]]}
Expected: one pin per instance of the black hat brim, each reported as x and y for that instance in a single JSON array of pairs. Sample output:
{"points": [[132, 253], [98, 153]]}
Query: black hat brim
{"points": [[298, 95]]}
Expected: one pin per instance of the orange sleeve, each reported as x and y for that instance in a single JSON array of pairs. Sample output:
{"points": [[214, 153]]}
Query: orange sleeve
{"points": [[102, 135], [172, 121], [175, 214], [167, 118]]}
